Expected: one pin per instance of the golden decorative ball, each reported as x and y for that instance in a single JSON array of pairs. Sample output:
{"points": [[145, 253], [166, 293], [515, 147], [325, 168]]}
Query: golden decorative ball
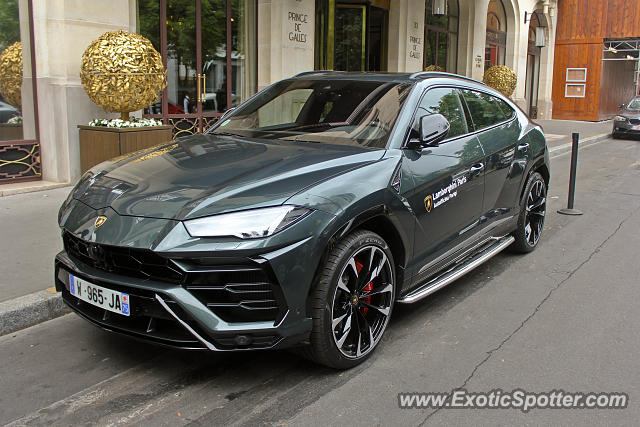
{"points": [[502, 78], [11, 75], [122, 72], [434, 68]]}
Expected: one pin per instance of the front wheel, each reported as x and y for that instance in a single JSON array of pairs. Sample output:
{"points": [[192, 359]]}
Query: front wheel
{"points": [[533, 209], [352, 300]]}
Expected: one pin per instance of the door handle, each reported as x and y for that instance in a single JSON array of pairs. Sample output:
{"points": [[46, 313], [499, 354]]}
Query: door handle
{"points": [[476, 169], [199, 94], [523, 147], [204, 88]]}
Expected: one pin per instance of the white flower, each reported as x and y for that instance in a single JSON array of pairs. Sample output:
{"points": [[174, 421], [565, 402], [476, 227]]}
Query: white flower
{"points": [[131, 123], [16, 120]]}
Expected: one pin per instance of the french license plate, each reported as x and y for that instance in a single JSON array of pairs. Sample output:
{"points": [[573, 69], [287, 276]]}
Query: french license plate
{"points": [[635, 127], [117, 302]]}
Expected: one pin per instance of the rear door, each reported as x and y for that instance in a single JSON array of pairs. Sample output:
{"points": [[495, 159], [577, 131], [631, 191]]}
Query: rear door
{"points": [[448, 182], [505, 154]]}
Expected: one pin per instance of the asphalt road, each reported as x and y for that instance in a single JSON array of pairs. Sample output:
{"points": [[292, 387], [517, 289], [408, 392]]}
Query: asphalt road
{"points": [[563, 317]]}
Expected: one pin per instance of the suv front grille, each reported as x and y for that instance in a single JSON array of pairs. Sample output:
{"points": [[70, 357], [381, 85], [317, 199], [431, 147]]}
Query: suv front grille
{"points": [[634, 121], [241, 290], [237, 293], [140, 263]]}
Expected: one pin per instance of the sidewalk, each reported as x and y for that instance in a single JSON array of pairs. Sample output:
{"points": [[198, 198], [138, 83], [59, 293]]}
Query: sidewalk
{"points": [[31, 238], [558, 132]]}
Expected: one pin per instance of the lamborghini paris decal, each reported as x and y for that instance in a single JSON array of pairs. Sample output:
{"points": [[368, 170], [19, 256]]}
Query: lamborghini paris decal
{"points": [[443, 195]]}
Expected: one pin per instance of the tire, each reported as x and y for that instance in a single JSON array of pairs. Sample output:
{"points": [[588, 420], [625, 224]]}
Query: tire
{"points": [[532, 214], [337, 305], [615, 135]]}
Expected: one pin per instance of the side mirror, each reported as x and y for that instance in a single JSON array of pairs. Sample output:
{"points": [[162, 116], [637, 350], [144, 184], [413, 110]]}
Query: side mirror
{"points": [[433, 129], [622, 106]]}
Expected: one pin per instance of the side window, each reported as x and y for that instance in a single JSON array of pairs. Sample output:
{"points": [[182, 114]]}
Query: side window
{"points": [[486, 110], [506, 109], [446, 102]]}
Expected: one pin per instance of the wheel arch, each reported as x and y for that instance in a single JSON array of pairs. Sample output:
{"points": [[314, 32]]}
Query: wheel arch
{"points": [[541, 167], [376, 220]]}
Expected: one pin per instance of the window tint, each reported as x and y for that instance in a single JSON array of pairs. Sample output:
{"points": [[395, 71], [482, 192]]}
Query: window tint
{"points": [[486, 110], [446, 102]]}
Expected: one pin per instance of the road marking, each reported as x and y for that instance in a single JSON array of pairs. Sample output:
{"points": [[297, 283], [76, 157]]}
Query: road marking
{"points": [[554, 136]]}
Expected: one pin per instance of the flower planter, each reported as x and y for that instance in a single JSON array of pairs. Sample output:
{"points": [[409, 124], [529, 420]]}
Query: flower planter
{"points": [[10, 132], [100, 143]]}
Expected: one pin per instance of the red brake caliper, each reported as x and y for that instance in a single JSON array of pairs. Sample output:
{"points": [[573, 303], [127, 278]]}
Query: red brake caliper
{"points": [[369, 287]]}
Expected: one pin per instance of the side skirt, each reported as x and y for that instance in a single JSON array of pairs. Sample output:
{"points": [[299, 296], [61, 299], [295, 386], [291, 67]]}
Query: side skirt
{"points": [[494, 246]]}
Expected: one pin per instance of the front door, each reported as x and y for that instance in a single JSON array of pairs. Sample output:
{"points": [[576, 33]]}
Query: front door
{"points": [[207, 48], [448, 183]]}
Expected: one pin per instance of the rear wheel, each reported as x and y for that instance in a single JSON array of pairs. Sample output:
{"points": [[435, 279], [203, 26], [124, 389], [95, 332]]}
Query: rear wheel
{"points": [[352, 300], [533, 209]]}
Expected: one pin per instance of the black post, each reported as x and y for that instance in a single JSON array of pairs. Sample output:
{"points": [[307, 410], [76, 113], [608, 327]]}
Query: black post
{"points": [[572, 177]]}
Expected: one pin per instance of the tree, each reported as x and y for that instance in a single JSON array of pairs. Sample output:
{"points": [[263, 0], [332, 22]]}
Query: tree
{"points": [[9, 23]]}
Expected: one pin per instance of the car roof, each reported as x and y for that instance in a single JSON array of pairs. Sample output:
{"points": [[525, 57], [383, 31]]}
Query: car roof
{"points": [[381, 76]]}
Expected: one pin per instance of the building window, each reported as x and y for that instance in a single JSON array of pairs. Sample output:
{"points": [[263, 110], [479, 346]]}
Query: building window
{"points": [[19, 139], [441, 37], [496, 41], [209, 50]]}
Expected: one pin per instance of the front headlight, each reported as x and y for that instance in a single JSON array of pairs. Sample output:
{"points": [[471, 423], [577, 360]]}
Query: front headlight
{"points": [[249, 224], [620, 119]]}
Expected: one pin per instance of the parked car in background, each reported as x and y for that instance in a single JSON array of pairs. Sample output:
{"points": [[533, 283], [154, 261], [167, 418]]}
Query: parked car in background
{"points": [[628, 121], [305, 214], [7, 112]]}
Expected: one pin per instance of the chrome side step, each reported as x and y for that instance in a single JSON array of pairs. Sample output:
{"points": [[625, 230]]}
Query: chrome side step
{"points": [[457, 272]]}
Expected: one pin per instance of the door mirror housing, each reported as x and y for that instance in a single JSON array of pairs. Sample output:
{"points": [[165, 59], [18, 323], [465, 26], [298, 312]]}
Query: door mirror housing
{"points": [[433, 129], [623, 106]]}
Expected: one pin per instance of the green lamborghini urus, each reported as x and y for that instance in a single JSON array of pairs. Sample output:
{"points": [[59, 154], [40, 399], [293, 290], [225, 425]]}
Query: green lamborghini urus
{"points": [[305, 214]]}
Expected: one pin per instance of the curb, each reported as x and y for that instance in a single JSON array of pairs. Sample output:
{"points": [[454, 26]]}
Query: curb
{"points": [[30, 187], [583, 142], [29, 310]]}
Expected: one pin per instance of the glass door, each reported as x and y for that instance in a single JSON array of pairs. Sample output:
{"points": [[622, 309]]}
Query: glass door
{"points": [[202, 43], [351, 35], [19, 133]]}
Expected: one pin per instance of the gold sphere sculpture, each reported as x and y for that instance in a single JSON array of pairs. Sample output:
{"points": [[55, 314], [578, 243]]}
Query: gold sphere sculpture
{"points": [[122, 72], [502, 78], [11, 75], [434, 68]]}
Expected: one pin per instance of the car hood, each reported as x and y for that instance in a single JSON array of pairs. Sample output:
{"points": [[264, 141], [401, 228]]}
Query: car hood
{"points": [[204, 175], [631, 114]]}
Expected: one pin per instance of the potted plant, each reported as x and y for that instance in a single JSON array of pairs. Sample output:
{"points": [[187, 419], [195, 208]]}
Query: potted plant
{"points": [[121, 72]]}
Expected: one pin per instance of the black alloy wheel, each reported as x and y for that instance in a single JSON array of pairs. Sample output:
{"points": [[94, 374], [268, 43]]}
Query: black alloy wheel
{"points": [[352, 301], [533, 211]]}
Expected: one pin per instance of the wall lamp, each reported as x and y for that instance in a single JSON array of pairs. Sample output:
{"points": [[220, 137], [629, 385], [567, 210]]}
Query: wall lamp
{"points": [[439, 7]]}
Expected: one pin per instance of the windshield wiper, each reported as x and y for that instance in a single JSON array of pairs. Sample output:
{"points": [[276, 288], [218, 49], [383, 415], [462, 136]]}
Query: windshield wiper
{"points": [[226, 134]]}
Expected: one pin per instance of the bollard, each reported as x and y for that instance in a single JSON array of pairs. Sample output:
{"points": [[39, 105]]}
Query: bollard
{"points": [[572, 178]]}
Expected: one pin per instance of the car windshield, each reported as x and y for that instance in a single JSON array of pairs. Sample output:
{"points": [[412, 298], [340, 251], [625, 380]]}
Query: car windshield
{"points": [[634, 104], [322, 111]]}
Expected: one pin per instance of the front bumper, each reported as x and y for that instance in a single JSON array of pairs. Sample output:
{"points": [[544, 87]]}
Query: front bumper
{"points": [[190, 301], [631, 127]]}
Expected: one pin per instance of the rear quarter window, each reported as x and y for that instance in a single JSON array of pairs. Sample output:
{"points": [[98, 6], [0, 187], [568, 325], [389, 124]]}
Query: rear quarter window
{"points": [[486, 110]]}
